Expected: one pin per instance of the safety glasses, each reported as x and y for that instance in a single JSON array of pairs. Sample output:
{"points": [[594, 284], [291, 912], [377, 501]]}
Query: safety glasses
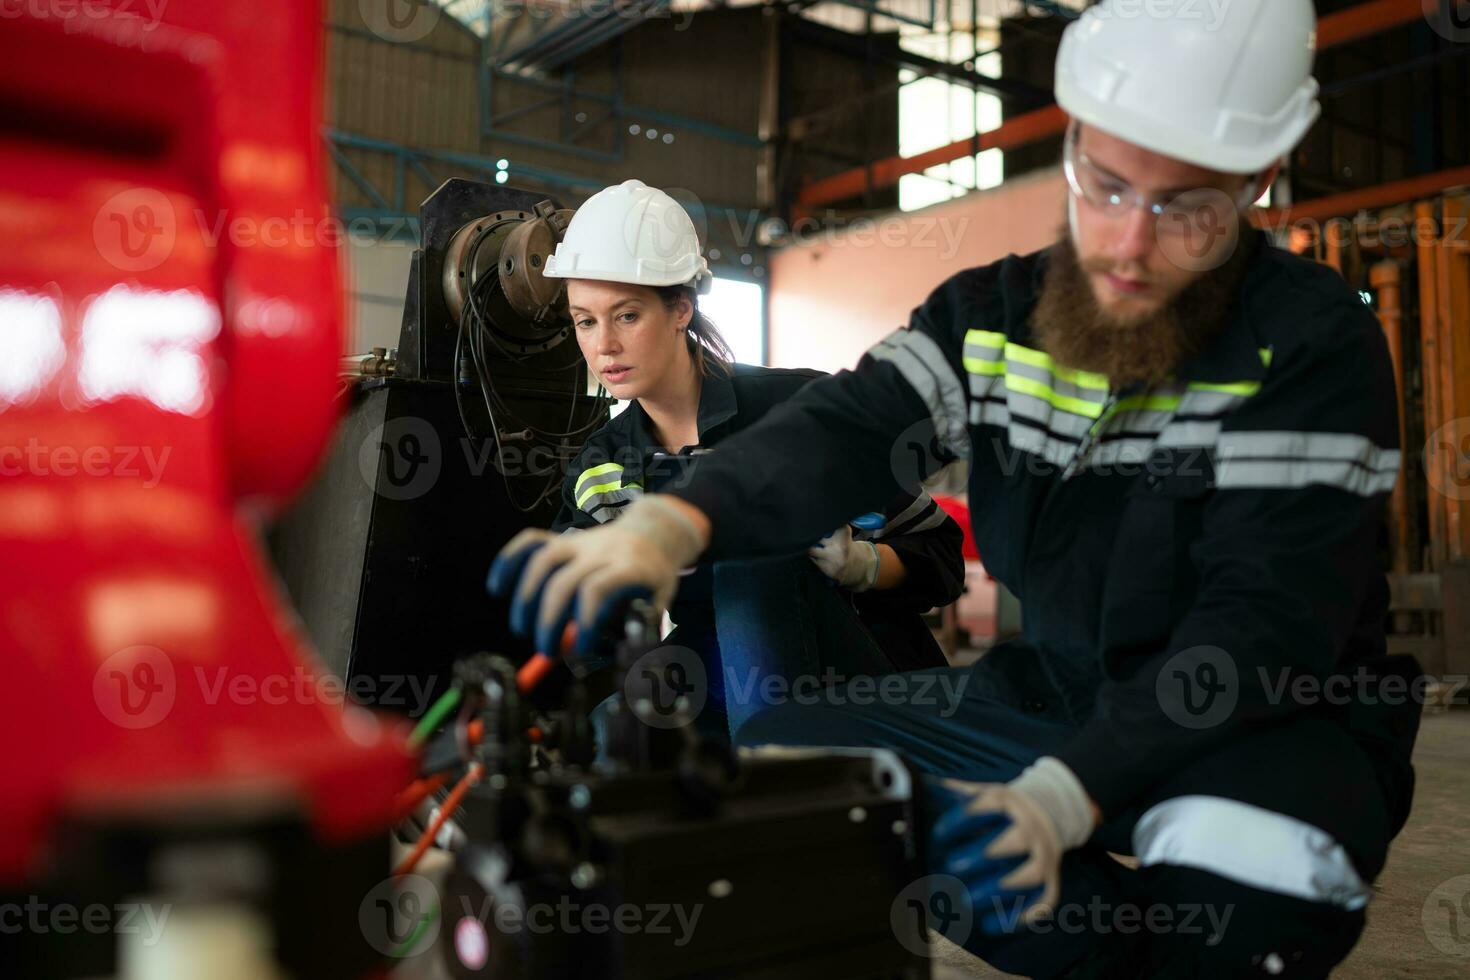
{"points": [[1179, 214]]}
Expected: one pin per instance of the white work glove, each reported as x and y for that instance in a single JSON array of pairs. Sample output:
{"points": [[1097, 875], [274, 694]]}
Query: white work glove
{"points": [[849, 563], [644, 548], [1006, 841]]}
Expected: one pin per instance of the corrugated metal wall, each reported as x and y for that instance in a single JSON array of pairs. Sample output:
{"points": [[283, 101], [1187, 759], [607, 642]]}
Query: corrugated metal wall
{"points": [[706, 66], [419, 93]]}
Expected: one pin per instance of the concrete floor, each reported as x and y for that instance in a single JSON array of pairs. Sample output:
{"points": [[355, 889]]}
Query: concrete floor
{"points": [[1419, 921]]}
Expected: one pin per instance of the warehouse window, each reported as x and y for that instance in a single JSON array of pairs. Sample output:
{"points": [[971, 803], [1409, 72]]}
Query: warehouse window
{"points": [[933, 112], [738, 309]]}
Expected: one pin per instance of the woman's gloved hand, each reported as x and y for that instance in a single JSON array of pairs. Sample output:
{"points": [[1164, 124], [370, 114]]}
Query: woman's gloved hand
{"points": [[849, 563], [590, 574], [1005, 841]]}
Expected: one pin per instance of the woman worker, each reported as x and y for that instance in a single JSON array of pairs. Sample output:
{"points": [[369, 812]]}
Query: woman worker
{"points": [[850, 606]]}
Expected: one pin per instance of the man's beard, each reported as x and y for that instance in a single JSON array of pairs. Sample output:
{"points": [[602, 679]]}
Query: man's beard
{"points": [[1077, 332]]}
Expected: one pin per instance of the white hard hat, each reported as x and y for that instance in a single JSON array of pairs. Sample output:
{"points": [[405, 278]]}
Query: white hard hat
{"points": [[631, 233], [1229, 89]]}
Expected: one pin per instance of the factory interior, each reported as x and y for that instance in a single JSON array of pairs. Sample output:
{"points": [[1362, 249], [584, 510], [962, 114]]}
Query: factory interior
{"points": [[423, 425]]}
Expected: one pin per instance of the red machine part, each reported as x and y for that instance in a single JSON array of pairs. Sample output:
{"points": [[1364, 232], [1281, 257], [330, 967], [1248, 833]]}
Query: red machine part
{"points": [[170, 322]]}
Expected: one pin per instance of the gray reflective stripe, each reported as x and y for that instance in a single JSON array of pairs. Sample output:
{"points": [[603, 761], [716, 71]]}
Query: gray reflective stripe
{"points": [[1319, 446], [916, 507], [1293, 460], [1209, 402], [929, 523], [1137, 420], [980, 352], [1293, 474], [1055, 451], [1121, 451], [1250, 845], [983, 386], [923, 365], [607, 498], [571, 529], [1060, 421], [1190, 435], [916, 510], [990, 413], [1066, 389]]}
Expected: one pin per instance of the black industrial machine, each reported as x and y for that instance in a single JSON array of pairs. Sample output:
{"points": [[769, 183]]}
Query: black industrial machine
{"points": [[450, 445], [672, 857]]}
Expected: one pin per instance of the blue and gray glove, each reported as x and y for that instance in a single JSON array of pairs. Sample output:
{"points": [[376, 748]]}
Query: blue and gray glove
{"points": [[594, 574], [1005, 841]]}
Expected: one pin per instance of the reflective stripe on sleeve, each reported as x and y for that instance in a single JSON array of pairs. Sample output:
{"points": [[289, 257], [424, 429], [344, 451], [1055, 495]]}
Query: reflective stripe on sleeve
{"points": [[1347, 461], [1256, 847], [923, 365]]}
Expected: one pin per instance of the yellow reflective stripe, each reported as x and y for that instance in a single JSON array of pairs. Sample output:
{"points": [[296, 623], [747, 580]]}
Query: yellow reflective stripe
{"points": [[991, 368], [1245, 388], [986, 338], [594, 472], [1266, 354], [1148, 403], [1030, 386], [1036, 358], [591, 492]]}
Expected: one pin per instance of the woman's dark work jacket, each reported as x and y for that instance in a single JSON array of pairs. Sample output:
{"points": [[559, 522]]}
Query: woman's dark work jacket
{"points": [[623, 460]]}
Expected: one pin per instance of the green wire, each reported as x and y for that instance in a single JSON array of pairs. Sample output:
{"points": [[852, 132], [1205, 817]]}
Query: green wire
{"points": [[434, 716], [406, 947]]}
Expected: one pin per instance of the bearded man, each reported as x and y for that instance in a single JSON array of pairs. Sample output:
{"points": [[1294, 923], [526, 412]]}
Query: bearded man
{"points": [[1180, 441]]}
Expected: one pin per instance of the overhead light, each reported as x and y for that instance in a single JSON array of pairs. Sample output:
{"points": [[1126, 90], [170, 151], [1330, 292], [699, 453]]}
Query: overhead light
{"points": [[502, 164], [501, 177]]}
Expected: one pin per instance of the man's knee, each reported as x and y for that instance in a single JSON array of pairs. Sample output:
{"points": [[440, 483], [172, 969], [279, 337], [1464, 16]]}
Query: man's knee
{"points": [[1199, 924], [1243, 890]]}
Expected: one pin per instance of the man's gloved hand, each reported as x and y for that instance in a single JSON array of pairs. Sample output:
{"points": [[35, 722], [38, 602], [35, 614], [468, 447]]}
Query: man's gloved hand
{"points": [[849, 563], [639, 554], [1005, 841]]}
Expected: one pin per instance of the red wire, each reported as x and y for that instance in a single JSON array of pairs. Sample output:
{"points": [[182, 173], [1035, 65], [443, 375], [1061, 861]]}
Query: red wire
{"points": [[418, 791], [529, 675], [451, 803]]}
